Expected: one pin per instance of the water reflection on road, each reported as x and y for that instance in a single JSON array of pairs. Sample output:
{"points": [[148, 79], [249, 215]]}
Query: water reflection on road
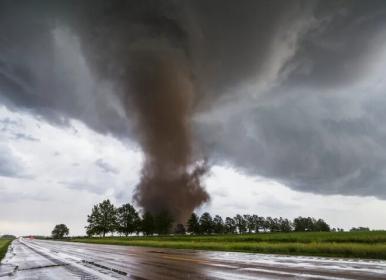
{"points": [[41, 259]]}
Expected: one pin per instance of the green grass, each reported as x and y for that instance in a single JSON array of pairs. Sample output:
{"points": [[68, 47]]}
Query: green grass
{"points": [[371, 245], [4, 243]]}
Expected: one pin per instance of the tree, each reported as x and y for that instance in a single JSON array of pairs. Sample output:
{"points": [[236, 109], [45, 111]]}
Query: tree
{"points": [[163, 222], [102, 219], [303, 224], [60, 231], [127, 219], [310, 224], [218, 224], [255, 220], [241, 224], [93, 220], [285, 225], [206, 223], [147, 224], [266, 224], [261, 224], [193, 224], [251, 222], [270, 223], [108, 217], [8, 236], [230, 225], [321, 225], [360, 229], [274, 224]]}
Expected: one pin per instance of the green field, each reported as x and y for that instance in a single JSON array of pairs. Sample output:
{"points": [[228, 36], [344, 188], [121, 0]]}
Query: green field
{"points": [[4, 243], [370, 245]]}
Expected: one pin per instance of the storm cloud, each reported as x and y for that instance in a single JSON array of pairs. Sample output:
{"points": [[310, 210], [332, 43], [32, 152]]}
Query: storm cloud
{"points": [[289, 90]]}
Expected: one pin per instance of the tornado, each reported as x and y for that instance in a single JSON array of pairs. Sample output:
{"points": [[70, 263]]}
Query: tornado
{"points": [[145, 49], [163, 98]]}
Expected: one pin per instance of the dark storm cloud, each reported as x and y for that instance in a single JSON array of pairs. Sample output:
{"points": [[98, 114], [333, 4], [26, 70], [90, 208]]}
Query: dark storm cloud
{"points": [[42, 67], [281, 89], [322, 129], [43, 72], [307, 143], [342, 46]]}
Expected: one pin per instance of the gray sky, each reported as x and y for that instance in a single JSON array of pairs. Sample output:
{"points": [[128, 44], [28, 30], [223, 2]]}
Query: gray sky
{"points": [[289, 107]]}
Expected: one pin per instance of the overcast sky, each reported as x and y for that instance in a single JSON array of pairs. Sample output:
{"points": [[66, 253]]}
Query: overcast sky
{"points": [[288, 108]]}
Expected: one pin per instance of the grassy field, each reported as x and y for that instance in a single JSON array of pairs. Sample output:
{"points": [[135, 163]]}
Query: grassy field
{"points": [[370, 245], [4, 243]]}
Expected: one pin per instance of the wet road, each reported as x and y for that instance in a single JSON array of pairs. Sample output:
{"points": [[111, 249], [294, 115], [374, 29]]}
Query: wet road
{"points": [[38, 259]]}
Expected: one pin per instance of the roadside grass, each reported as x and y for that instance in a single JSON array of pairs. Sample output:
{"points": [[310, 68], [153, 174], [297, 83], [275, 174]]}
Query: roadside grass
{"points": [[369, 245], [4, 243]]}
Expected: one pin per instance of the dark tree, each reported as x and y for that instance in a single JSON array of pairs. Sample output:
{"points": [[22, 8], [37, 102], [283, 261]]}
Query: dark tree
{"points": [[285, 225], [193, 224], [102, 219], [310, 224], [147, 225], [206, 223], [301, 224], [179, 229], [108, 217], [359, 229], [261, 224], [274, 224], [251, 222], [255, 222], [218, 224], [127, 219], [60, 231], [230, 225], [321, 225], [8, 236], [266, 224], [241, 224], [163, 222], [269, 223], [94, 225]]}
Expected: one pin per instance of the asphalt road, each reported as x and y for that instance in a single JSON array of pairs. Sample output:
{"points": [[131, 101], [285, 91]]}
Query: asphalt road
{"points": [[38, 259]]}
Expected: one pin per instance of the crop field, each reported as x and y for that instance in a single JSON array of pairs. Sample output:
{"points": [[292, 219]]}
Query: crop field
{"points": [[368, 245], [4, 243]]}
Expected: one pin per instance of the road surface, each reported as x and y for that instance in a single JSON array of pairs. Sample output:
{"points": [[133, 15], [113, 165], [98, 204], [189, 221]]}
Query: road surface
{"points": [[41, 259]]}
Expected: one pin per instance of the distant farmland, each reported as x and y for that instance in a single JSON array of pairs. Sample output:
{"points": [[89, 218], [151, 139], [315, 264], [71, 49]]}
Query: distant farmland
{"points": [[368, 245], [4, 243]]}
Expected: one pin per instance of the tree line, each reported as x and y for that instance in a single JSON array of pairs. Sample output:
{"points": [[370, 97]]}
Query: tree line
{"points": [[242, 224], [106, 218]]}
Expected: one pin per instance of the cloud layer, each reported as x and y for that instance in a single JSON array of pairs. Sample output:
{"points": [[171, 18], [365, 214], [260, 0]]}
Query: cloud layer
{"points": [[292, 91]]}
